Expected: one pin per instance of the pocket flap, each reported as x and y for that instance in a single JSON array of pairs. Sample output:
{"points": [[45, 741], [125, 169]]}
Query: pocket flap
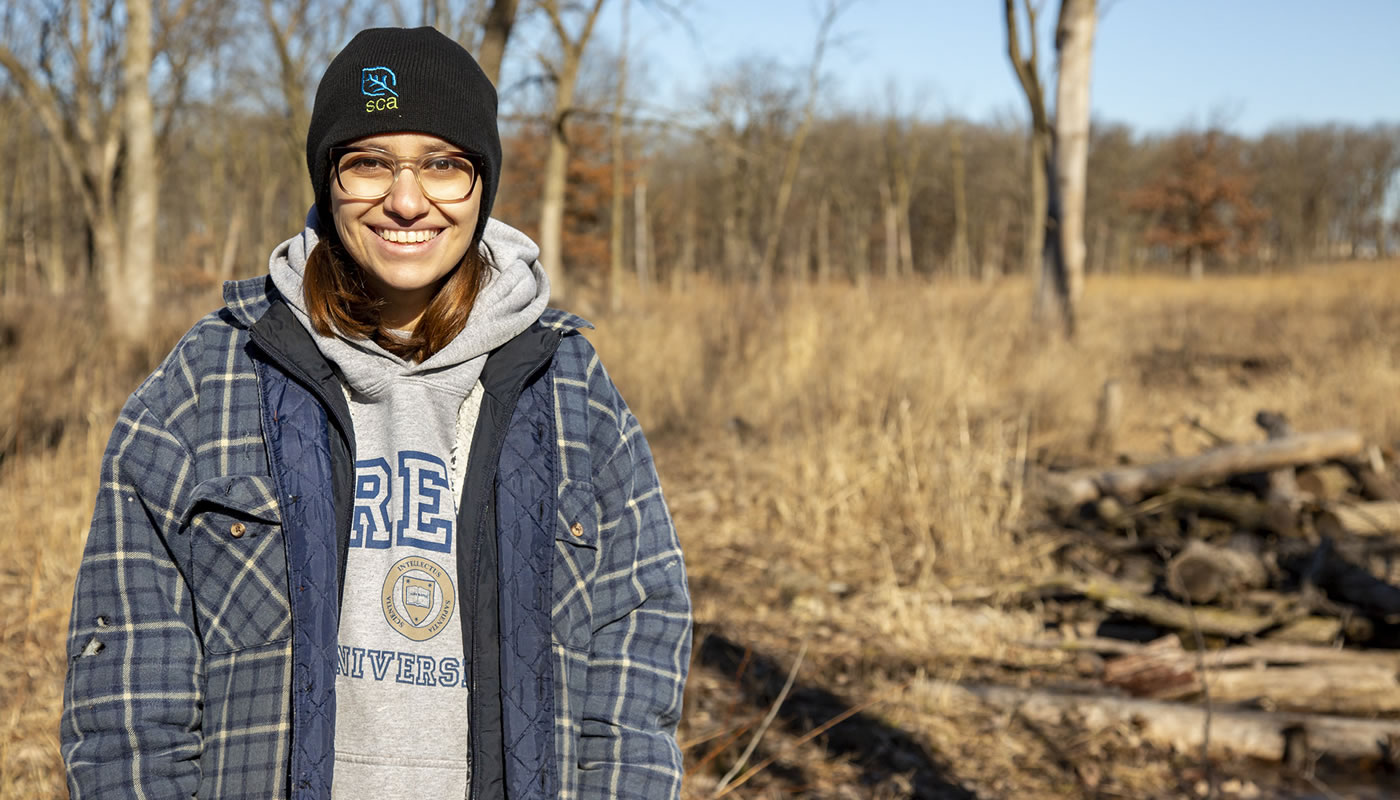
{"points": [[251, 495], [578, 517]]}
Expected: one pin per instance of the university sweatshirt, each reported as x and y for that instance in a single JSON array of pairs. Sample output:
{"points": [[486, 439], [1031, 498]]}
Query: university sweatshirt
{"points": [[401, 701]]}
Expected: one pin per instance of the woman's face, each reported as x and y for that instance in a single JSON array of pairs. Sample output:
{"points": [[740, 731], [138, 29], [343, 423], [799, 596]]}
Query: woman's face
{"points": [[405, 274]]}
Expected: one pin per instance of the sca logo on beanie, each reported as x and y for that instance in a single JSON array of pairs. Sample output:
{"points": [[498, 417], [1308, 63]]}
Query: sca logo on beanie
{"points": [[379, 84]]}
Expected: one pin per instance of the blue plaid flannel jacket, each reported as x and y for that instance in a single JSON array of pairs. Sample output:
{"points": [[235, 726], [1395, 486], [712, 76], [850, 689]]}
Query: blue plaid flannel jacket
{"points": [[187, 671]]}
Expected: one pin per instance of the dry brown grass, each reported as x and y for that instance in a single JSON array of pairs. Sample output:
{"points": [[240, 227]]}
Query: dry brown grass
{"points": [[838, 463]]}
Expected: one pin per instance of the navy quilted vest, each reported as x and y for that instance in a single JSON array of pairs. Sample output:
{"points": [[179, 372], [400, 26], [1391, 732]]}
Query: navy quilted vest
{"points": [[296, 430], [308, 462], [525, 490]]}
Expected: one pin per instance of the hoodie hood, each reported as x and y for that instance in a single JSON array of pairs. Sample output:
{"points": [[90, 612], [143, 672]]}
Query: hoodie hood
{"points": [[514, 295]]}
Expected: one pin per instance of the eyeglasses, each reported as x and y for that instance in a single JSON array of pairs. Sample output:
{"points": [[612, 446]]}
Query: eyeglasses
{"points": [[369, 174]]}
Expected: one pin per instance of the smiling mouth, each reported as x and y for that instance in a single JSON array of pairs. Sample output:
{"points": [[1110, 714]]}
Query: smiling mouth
{"points": [[400, 236]]}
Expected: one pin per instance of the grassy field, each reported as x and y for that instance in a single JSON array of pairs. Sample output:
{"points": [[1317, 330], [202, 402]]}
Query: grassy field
{"points": [[839, 463]]}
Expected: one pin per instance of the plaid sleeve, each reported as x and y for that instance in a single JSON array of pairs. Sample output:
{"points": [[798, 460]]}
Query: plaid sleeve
{"points": [[131, 705], [641, 610]]}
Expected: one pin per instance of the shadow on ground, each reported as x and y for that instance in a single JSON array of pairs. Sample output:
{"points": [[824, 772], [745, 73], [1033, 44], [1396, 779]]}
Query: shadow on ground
{"points": [[879, 749]]}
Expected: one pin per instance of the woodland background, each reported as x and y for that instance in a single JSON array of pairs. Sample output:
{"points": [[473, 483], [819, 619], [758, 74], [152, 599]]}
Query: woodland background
{"points": [[823, 317]]}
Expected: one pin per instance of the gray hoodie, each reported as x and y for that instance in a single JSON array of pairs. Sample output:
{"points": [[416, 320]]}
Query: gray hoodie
{"points": [[401, 722]]}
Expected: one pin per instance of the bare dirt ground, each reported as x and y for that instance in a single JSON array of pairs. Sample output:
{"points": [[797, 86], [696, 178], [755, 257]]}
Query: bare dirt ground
{"points": [[841, 464]]}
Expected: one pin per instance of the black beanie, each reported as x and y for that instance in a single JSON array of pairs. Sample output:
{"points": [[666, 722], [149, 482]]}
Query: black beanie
{"points": [[404, 80]]}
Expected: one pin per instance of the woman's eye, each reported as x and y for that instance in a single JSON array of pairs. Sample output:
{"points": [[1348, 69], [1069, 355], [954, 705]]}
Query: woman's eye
{"points": [[444, 165], [368, 164]]}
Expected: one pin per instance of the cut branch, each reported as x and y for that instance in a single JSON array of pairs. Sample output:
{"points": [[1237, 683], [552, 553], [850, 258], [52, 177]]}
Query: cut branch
{"points": [[1130, 484], [1256, 734]]}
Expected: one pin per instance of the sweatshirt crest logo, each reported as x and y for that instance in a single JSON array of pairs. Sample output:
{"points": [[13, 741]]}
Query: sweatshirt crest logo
{"points": [[380, 86], [418, 598]]}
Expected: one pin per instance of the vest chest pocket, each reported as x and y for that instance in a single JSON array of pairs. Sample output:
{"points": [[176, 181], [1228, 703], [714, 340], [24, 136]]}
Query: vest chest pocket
{"points": [[575, 565], [238, 564]]}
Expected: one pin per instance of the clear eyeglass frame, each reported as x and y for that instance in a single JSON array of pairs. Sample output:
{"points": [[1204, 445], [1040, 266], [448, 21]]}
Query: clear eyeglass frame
{"points": [[415, 164]]}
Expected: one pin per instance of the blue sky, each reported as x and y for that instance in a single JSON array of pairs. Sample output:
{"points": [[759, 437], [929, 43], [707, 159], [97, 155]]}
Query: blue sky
{"points": [[1158, 64]]}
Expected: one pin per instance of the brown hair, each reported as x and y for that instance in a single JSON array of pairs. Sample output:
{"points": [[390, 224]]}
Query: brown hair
{"points": [[338, 301]]}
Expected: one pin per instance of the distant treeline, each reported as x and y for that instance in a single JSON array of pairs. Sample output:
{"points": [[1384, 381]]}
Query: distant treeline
{"points": [[882, 195], [873, 194]]}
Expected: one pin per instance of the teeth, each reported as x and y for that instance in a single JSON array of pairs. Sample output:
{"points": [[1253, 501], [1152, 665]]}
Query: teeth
{"points": [[405, 237]]}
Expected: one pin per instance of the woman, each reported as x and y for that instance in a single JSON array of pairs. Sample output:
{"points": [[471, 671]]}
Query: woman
{"points": [[382, 526]]}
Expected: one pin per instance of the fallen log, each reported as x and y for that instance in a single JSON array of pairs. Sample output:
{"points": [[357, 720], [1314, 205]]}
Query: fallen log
{"points": [[1287, 677], [1131, 600], [1360, 519], [1266, 652], [1245, 511], [1321, 630], [1258, 734], [1208, 620], [1129, 484]]}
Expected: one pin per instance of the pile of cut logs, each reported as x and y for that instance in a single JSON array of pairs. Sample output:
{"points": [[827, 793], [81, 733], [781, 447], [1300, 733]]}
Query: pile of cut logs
{"points": [[1251, 585]]}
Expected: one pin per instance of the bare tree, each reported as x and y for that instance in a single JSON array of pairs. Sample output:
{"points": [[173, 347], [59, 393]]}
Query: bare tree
{"points": [[1057, 279], [961, 257], [794, 152], [304, 35], [495, 33], [619, 185], [133, 294], [1074, 43], [903, 153], [105, 140], [1028, 73], [563, 72], [641, 234]]}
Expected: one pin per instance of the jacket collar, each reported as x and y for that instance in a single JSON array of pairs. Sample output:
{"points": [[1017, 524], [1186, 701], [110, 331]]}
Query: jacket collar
{"points": [[247, 300]]}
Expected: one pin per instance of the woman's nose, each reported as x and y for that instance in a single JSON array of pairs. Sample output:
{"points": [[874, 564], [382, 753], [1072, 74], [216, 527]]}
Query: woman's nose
{"points": [[405, 198]]}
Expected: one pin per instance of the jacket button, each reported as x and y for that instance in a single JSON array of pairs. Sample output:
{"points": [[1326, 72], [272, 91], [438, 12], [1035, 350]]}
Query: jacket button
{"points": [[576, 529], [237, 530]]}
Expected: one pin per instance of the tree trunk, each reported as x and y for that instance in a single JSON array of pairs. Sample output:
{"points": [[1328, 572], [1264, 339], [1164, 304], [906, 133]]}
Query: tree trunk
{"points": [[57, 227], [891, 232], [298, 114], [556, 167], [1035, 215], [1099, 263], [495, 34], [617, 223], [824, 240], [1074, 39], [131, 303], [106, 258], [858, 235], [794, 152], [685, 265], [1038, 259], [903, 198], [800, 265], [641, 247], [735, 262], [961, 257], [1196, 263], [994, 253]]}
